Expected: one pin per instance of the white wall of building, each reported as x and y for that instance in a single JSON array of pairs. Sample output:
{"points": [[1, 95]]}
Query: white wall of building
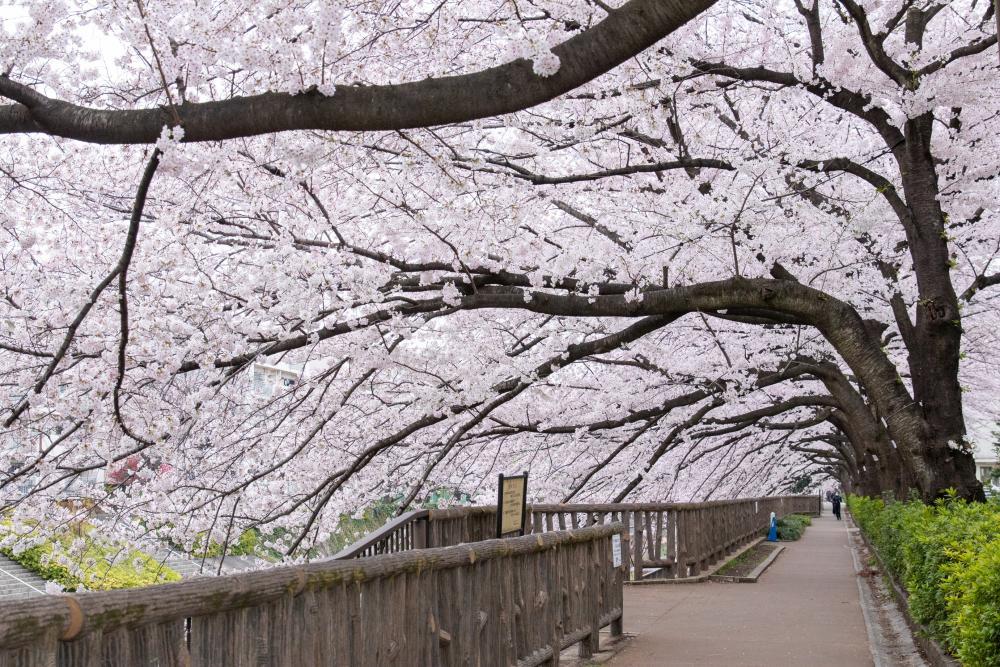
{"points": [[983, 435]]}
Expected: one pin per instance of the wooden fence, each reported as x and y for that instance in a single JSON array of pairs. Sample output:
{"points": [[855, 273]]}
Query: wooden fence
{"points": [[678, 540], [421, 529], [516, 601]]}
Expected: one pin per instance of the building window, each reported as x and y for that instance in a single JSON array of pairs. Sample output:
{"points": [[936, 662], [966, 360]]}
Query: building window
{"points": [[268, 380]]}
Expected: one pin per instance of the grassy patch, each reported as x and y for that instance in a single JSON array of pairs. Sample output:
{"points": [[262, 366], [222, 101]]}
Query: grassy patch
{"points": [[744, 564], [736, 562]]}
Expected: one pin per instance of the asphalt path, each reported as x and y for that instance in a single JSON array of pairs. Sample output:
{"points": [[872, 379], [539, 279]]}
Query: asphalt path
{"points": [[804, 611]]}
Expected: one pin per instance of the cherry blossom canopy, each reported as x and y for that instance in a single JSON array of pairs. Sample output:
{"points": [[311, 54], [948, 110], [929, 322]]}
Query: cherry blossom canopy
{"points": [[650, 250]]}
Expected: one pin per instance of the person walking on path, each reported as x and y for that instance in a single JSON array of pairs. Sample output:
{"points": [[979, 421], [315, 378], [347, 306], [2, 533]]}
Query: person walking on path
{"points": [[836, 500]]}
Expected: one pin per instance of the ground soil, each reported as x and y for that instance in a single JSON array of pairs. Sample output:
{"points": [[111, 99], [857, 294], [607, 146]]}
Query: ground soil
{"points": [[746, 562]]}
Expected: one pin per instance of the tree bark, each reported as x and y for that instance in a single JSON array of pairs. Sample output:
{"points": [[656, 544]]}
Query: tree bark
{"points": [[934, 343], [626, 32]]}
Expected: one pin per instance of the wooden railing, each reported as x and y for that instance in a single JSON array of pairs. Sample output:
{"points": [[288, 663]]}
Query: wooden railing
{"points": [[678, 540], [421, 529], [405, 532], [499, 602]]}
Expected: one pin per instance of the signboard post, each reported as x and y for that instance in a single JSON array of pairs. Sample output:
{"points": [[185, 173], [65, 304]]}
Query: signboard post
{"points": [[512, 494], [616, 550]]}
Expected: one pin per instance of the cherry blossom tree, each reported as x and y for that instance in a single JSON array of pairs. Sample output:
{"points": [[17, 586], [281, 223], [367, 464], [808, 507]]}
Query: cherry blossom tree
{"points": [[657, 251]]}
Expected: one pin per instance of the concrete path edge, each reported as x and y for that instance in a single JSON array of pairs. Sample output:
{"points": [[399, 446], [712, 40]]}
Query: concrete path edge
{"points": [[930, 647], [754, 575], [704, 576]]}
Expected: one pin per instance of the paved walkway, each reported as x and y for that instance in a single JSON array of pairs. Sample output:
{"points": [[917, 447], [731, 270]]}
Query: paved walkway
{"points": [[803, 612]]}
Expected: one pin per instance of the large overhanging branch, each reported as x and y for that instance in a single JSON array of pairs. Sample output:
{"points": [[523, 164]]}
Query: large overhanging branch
{"points": [[626, 32], [980, 283], [776, 409], [799, 303], [815, 420], [840, 324]]}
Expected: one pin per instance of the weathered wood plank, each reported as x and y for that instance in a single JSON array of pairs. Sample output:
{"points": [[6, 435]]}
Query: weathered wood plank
{"points": [[506, 601]]}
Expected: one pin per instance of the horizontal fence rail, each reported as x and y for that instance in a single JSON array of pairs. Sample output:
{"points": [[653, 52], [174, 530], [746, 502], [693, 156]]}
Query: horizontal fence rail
{"points": [[516, 601], [429, 587], [421, 529], [405, 532], [678, 540]]}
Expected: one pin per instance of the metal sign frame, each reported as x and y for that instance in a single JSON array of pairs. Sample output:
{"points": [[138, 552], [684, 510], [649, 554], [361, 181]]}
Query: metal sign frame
{"points": [[501, 504]]}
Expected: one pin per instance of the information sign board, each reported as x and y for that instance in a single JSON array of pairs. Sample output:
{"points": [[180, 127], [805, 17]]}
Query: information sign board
{"points": [[512, 494], [616, 550]]}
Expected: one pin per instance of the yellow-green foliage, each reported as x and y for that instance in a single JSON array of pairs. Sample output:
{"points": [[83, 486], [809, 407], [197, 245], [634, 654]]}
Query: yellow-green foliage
{"points": [[246, 545], [75, 558], [947, 556]]}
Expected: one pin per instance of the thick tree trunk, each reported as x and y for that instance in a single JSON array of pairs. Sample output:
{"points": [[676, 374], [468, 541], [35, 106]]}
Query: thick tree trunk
{"points": [[879, 466], [934, 340], [934, 465]]}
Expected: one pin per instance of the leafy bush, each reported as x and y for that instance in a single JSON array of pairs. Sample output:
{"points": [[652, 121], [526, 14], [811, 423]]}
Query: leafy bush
{"points": [[947, 556], [791, 527], [75, 559], [972, 594], [350, 529], [246, 545]]}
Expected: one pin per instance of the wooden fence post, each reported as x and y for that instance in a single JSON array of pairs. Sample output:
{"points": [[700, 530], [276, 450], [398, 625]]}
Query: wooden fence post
{"points": [[637, 546]]}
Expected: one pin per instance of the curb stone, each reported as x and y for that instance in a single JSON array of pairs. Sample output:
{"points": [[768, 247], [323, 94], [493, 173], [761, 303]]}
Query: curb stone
{"points": [[931, 649], [704, 576], [754, 575]]}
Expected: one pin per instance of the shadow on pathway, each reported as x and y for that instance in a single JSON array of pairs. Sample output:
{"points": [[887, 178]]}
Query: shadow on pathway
{"points": [[804, 611]]}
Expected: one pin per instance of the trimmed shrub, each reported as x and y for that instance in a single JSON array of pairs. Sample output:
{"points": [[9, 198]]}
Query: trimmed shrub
{"points": [[972, 594], [947, 557], [791, 527]]}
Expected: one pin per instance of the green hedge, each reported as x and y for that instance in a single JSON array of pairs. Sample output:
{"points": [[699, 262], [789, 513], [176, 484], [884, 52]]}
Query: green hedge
{"points": [[947, 556], [791, 527], [76, 558]]}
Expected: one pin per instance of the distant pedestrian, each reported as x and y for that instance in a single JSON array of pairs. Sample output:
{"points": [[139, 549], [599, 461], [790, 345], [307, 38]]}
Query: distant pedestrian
{"points": [[836, 500]]}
